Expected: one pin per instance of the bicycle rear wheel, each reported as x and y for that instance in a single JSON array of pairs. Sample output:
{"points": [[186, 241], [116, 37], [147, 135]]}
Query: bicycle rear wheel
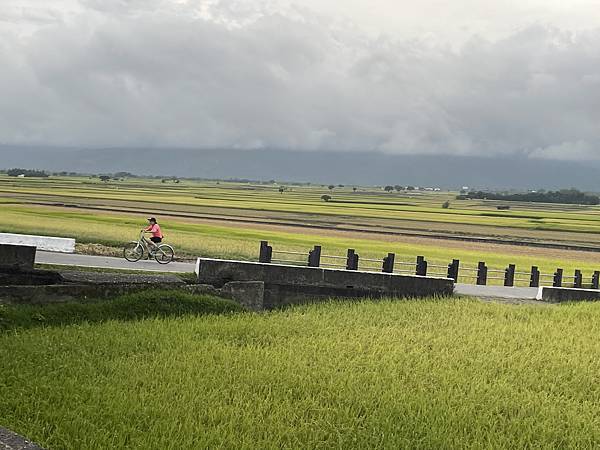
{"points": [[133, 251], [164, 254]]}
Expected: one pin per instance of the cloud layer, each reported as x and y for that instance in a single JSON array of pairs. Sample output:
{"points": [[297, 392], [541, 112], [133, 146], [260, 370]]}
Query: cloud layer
{"points": [[100, 73]]}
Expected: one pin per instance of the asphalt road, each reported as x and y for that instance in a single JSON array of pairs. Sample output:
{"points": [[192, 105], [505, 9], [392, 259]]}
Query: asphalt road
{"points": [[107, 262]]}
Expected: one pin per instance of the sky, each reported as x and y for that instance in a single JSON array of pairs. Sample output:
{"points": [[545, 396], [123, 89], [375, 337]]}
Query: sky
{"points": [[466, 77]]}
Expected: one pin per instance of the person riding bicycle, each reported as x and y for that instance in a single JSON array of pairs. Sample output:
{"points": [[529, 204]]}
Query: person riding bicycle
{"points": [[154, 229]]}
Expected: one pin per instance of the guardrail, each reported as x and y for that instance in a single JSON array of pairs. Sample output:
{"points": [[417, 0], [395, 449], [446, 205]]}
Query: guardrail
{"points": [[47, 243], [481, 275]]}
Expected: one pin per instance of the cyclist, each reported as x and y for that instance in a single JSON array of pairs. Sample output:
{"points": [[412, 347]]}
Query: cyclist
{"points": [[154, 229]]}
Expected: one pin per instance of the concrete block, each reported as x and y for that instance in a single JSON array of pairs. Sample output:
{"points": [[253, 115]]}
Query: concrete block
{"points": [[355, 280], [287, 285], [300, 275], [17, 276], [46, 243], [250, 294], [420, 286], [220, 272], [561, 294], [19, 256]]}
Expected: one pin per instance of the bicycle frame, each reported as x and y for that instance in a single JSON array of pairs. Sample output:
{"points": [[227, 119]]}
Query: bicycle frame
{"points": [[144, 243]]}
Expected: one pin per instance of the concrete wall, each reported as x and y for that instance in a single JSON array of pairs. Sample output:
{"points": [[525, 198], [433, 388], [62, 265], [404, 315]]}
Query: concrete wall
{"points": [[60, 293], [561, 294], [242, 292], [18, 256], [46, 243], [287, 285]]}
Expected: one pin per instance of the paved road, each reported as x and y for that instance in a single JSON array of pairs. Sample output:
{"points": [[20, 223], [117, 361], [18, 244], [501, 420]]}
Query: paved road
{"points": [[108, 262], [497, 291]]}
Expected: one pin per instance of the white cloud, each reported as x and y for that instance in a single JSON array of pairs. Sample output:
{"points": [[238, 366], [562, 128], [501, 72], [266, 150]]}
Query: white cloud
{"points": [[240, 74], [567, 151]]}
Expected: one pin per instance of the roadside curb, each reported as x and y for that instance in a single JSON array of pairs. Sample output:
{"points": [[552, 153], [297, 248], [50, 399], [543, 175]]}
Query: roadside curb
{"points": [[12, 441]]}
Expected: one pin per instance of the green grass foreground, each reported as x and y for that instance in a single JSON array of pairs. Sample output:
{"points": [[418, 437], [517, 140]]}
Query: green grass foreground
{"points": [[390, 374]]}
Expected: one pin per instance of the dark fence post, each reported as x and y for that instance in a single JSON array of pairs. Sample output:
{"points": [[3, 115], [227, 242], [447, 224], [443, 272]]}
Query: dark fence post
{"points": [[481, 273], [314, 257], [557, 281], [509, 275], [453, 270], [421, 266], [352, 261], [596, 280], [534, 281], [577, 279], [388, 263], [266, 252]]}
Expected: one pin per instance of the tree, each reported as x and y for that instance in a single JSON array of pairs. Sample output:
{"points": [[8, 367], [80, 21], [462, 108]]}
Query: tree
{"points": [[330, 187], [282, 189], [104, 178], [27, 173], [354, 189], [568, 196], [410, 188], [124, 175], [325, 197], [398, 188], [446, 204], [388, 188]]}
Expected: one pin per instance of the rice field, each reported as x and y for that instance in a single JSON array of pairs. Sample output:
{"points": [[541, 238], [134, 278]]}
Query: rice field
{"points": [[186, 372], [371, 204], [227, 220], [389, 374]]}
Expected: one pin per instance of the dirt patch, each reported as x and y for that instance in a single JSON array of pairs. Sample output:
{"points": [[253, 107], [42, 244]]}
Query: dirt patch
{"points": [[97, 250]]}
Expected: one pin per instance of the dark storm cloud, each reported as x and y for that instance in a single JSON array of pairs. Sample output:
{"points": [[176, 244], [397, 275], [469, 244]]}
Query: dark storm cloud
{"points": [[118, 77]]}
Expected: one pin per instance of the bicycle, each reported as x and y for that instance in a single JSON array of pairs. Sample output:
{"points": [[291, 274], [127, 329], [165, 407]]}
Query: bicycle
{"points": [[134, 251]]}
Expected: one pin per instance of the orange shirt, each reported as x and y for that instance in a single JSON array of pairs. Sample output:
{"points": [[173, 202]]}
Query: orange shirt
{"points": [[155, 230]]}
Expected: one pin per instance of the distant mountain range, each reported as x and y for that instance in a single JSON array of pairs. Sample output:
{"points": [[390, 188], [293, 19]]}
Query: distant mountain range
{"points": [[317, 167]]}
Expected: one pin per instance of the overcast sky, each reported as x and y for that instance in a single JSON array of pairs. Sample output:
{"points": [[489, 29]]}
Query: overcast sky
{"points": [[455, 77]]}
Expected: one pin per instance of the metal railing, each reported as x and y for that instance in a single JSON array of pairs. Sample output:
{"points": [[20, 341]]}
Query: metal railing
{"points": [[481, 274]]}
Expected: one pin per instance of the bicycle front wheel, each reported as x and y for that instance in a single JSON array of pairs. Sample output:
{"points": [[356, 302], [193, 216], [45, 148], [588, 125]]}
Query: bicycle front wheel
{"points": [[133, 251], [164, 254]]}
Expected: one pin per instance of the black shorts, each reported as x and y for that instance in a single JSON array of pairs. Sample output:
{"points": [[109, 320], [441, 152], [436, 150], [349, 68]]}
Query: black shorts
{"points": [[156, 240]]}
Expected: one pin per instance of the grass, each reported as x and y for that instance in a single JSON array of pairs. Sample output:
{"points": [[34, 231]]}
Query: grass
{"points": [[371, 204], [136, 306], [410, 374], [365, 209], [242, 243]]}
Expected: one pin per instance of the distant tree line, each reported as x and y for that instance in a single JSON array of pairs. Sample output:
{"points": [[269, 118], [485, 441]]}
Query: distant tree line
{"points": [[27, 172], [568, 196]]}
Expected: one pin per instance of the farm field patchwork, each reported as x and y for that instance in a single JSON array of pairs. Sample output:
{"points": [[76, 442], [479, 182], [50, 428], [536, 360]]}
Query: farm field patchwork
{"points": [[229, 219], [387, 374]]}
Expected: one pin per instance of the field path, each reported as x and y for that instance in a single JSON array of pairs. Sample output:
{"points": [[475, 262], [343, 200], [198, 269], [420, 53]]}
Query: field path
{"points": [[109, 262]]}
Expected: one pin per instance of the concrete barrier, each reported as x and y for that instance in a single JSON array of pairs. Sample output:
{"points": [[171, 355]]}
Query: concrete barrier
{"points": [[46, 243], [562, 294], [12, 441], [286, 285], [17, 256]]}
